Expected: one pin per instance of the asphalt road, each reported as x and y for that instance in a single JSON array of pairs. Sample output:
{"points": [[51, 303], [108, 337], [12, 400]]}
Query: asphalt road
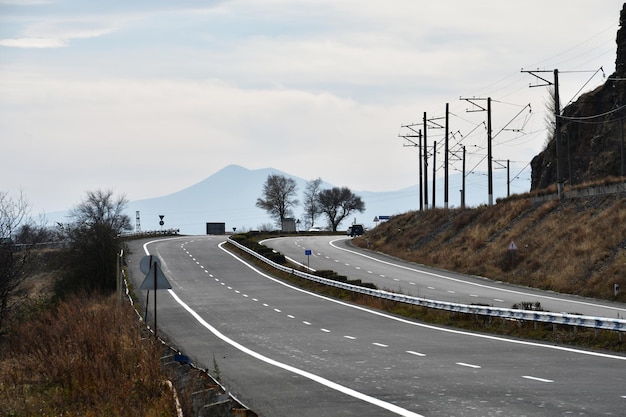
{"points": [[335, 253], [286, 352]]}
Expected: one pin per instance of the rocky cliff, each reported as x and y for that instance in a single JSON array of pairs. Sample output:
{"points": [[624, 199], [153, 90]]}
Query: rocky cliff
{"points": [[591, 132]]}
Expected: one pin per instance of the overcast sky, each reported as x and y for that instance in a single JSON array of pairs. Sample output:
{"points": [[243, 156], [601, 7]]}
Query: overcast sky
{"points": [[147, 97]]}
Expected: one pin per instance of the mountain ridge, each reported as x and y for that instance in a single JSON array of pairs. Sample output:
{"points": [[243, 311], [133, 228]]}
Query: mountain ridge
{"points": [[229, 195]]}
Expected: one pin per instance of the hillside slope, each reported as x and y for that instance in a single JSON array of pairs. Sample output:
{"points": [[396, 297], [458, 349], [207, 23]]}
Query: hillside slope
{"points": [[575, 246]]}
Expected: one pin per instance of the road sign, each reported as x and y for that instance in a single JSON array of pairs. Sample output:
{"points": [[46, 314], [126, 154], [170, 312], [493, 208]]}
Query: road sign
{"points": [[155, 279], [146, 262], [383, 217], [512, 246], [308, 252]]}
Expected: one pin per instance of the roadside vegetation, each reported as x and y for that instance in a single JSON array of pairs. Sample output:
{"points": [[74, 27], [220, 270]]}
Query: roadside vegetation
{"points": [[574, 246], [85, 356], [67, 347]]}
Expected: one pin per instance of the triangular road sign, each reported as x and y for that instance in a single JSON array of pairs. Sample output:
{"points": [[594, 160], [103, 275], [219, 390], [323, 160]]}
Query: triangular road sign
{"points": [[146, 262], [155, 276]]}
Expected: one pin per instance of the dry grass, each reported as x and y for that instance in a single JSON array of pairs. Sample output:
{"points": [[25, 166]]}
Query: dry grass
{"points": [[574, 246], [86, 356]]}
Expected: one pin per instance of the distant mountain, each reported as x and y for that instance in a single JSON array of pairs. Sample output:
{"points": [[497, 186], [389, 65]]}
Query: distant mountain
{"points": [[230, 196]]}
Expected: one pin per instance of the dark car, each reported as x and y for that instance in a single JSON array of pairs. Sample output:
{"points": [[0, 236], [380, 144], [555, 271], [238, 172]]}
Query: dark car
{"points": [[356, 230]]}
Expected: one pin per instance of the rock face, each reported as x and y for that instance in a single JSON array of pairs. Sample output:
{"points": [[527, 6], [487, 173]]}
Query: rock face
{"points": [[591, 132]]}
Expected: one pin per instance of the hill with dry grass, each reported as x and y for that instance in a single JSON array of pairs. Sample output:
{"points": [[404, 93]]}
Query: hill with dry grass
{"points": [[573, 245]]}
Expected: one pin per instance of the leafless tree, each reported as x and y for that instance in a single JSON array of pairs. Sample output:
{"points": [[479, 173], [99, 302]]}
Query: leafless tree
{"points": [[13, 211], [278, 197], [311, 201], [337, 204], [550, 115], [94, 241]]}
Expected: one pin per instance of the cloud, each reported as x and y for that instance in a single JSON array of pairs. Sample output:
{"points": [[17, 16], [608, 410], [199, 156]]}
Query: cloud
{"points": [[160, 95], [33, 43]]}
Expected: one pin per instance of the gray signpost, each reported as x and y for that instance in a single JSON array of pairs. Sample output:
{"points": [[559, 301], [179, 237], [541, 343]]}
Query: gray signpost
{"points": [[155, 280]]}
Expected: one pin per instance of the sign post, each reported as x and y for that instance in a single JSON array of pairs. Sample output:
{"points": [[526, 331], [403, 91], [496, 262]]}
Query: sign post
{"points": [[155, 280], [512, 249]]}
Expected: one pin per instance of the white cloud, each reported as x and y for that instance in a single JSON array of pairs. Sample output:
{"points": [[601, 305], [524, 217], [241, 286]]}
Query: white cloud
{"points": [[32, 43], [161, 97]]}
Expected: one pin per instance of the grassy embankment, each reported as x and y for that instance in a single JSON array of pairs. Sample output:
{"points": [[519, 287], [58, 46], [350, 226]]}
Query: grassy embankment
{"points": [[85, 356], [575, 246]]}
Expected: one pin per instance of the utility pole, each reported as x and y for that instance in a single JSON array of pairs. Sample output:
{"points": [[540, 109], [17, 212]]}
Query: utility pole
{"points": [[419, 146], [557, 121], [433, 125], [434, 170], [508, 177], [445, 159], [425, 164], [463, 181], [420, 171], [478, 108], [489, 155]]}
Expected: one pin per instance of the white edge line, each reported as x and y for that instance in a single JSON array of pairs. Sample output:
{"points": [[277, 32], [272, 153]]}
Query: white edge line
{"points": [[320, 380], [428, 326], [547, 297]]}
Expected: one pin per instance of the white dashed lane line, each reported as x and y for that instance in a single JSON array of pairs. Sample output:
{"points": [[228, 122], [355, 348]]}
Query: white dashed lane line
{"points": [[468, 365], [378, 344], [534, 378]]}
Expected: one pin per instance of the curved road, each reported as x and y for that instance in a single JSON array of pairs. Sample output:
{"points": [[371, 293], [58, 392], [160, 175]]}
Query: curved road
{"points": [[333, 252], [285, 352]]}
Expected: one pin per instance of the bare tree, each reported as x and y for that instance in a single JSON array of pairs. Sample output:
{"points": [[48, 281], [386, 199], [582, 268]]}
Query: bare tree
{"points": [[311, 201], [94, 241], [13, 211], [278, 197], [337, 204], [550, 116], [101, 208]]}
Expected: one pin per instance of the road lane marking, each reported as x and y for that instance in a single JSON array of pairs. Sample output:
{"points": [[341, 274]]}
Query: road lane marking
{"points": [[491, 287], [350, 337], [277, 310], [315, 378], [307, 323], [380, 344], [325, 330], [413, 323], [415, 353], [468, 365], [534, 378]]}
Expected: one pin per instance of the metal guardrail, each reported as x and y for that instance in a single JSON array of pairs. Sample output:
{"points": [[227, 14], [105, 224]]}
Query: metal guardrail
{"points": [[505, 313]]}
